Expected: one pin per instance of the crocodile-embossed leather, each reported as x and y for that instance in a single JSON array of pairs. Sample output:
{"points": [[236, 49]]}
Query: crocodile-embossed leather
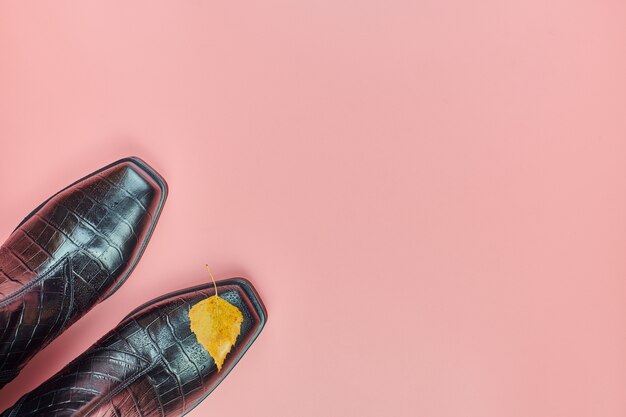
{"points": [[70, 253], [150, 365]]}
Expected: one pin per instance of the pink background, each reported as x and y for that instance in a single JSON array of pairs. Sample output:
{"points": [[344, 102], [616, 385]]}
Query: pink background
{"points": [[430, 196]]}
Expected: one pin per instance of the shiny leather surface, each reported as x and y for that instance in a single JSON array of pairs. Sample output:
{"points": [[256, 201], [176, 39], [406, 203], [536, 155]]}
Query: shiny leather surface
{"points": [[149, 365], [70, 253]]}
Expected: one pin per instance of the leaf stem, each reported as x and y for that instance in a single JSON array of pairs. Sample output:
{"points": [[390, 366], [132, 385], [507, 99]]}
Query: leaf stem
{"points": [[212, 279]]}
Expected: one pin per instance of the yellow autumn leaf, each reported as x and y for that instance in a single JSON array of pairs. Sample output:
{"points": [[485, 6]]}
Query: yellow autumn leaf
{"points": [[216, 324]]}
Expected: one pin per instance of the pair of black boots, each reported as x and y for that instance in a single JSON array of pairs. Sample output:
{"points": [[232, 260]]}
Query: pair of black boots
{"points": [[75, 250]]}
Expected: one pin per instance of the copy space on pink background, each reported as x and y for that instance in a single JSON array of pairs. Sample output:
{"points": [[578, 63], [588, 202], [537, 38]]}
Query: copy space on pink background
{"points": [[430, 196]]}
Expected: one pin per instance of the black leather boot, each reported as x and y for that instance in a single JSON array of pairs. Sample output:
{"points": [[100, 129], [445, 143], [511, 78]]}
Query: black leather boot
{"points": [[151, 364], [70, 253]]}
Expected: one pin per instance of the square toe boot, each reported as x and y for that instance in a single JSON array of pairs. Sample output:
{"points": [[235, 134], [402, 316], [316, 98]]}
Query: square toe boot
{"points": [[150, 365], [70, 253]]}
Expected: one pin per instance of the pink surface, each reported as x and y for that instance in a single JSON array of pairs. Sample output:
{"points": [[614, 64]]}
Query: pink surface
{"points": [[430, 196]]}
